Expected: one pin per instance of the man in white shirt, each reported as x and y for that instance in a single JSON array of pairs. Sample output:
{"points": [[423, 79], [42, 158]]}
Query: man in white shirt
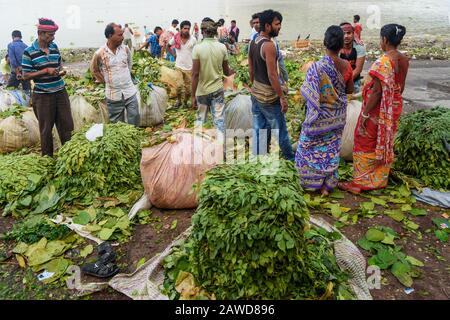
{"points": [[111, 65], [181, 46]]}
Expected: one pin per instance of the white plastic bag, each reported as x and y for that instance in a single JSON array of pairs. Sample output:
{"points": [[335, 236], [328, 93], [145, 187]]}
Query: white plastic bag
{"points": [[96, 131], [152, 109], [348, 137], [83, 112], [238, 114]]}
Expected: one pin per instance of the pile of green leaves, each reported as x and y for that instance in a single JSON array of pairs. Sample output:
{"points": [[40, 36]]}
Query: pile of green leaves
{"points": [[421, 146], [35, 228], [15, 110], [322, 262], [106, 167], [146, 69], [21, 179], [94, 93], [248, 239], [239, 63], [296, 77], [105, 223], [387, 255]]}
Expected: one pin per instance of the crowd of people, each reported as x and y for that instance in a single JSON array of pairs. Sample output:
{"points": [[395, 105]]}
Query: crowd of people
{"points": [[201, 55]]}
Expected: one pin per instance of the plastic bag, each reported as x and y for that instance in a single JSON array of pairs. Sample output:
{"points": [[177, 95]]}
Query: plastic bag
{"points": [[14, 135], [348, 137], [170, 170], [153, 109], [171, 78], [83, 112], [10, 97], [96, 131], [238, 114]]}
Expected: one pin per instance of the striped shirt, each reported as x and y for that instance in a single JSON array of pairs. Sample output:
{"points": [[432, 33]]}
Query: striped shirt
{"points": [[34, 60]]}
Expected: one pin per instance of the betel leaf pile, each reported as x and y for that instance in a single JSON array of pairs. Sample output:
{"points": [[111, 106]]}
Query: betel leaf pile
{"points": [[251, 236], [21, 179], [422, 146], [102, 168]]}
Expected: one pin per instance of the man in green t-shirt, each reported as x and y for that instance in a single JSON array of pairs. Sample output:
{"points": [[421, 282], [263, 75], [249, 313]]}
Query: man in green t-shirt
{"points": [[210, 63]]}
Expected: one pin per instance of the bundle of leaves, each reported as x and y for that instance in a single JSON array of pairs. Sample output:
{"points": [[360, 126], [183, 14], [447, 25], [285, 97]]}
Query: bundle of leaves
{"points": [[85, 86], [21, 179], [422, 146], [15, 110], [147, 69], [35, 228], [248, 239], [322, 262], [387, 255], [105, 167]]}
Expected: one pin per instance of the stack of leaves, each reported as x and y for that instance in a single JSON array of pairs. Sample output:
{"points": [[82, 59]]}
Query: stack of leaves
{"points": [[147, 69], [239, 64], [35, 228], [85, 86], [248, 239], [105, 167], [15, 110], [21, 179], [322, 262], [422, 146], [387, 255]]}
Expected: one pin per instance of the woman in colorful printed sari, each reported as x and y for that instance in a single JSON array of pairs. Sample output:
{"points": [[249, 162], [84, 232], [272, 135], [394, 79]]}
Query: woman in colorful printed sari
{"points": [[373, 153], [325, 89]]}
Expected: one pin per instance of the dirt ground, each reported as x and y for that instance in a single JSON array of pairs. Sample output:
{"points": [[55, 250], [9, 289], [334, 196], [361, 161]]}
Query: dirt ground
{"points": [[148, 240]]}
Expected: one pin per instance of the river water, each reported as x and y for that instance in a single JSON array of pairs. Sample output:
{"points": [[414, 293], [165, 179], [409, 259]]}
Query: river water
{"points": [[82, 21]]}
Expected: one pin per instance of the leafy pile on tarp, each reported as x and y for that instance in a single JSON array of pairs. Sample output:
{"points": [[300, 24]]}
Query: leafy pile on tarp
{"points": [[251, 237], [109, 223], [35, 228], [21, 179], [106, 167], [422, 146], [387, 255]]}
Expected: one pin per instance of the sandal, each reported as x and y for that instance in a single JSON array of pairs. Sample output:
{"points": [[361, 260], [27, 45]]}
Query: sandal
{"points": [[100, 270], [104, 248], [108, 257]]}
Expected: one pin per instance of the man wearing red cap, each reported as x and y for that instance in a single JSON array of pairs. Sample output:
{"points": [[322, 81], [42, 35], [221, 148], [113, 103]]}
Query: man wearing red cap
{"points": [[41, 62]]}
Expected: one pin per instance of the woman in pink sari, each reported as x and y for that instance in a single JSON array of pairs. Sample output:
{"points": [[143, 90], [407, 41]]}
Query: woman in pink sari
{"points": [[373, 153]]}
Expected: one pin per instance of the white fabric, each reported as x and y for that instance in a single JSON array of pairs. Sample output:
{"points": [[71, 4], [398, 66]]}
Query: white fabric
{"points": [[116, 69], [184, 54]]}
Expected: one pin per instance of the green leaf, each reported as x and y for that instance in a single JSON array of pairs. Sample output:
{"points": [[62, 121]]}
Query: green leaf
{"points": [[397, 215], [401, 272], [365, 244], [87, 251], [21, 248], [83, 218], [414, 261], [388, 239], [335, 210], [418, 212], [105, 234], [441, 235], [337, 195], [410, 224], [140, 263], [174, 224], [375, 235], [26, 201], [378, 201], [290, 244], [384, 259], [368, 206], [282, 245], [406, 207]]}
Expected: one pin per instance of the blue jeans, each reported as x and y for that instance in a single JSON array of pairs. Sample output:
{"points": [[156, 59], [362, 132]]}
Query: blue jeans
{"points": [[270, 117], [215, 103]]}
